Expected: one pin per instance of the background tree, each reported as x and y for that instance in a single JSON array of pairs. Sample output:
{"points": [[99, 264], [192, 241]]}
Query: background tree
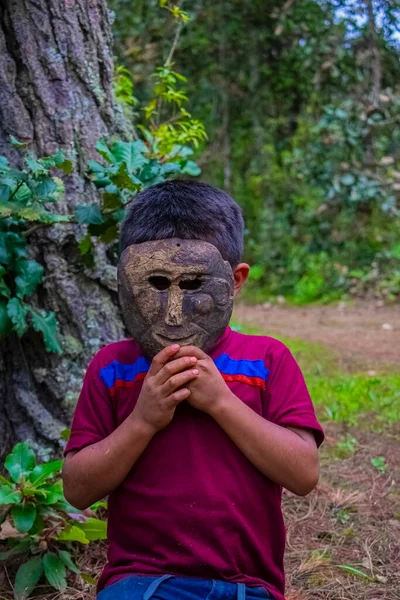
{"points": [[56, 74]]}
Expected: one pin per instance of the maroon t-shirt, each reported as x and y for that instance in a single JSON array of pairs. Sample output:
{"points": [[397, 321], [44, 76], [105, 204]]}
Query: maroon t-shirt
{"points": [[193, 505]]}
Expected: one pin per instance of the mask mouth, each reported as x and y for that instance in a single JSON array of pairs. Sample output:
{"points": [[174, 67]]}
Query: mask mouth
{"points": [[179, 337]]}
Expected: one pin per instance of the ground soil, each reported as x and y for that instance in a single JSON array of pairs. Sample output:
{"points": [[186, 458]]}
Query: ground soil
{"points": [[365, 335]]}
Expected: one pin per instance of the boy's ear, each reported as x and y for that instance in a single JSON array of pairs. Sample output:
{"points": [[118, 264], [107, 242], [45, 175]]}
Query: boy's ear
{"points": [[240, 275]]}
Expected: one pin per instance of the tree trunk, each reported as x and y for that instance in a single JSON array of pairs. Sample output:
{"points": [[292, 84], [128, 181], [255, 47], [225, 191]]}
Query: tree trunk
{"points": [[56, 73]]}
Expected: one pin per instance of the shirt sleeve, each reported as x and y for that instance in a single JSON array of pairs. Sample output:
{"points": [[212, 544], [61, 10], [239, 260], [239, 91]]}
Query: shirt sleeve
{"points": [[94, 417], [288, 400]]}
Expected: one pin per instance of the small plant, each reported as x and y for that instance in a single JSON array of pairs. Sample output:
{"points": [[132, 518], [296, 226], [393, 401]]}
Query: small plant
{"points": [[346, 446], [379, 462], [41, 524]]}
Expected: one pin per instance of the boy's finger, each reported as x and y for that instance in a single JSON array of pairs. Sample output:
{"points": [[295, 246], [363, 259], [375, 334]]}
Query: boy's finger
{"points": [[162, 358], [174, 366], [177, 381], [190, 351]]}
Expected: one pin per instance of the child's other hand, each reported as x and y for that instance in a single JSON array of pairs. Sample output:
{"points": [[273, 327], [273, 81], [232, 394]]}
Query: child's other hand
{"points": [[164, 387], [208, 391]]}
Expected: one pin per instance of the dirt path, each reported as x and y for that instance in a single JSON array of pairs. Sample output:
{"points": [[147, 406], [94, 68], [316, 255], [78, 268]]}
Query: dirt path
{"points": [[365, 336]]}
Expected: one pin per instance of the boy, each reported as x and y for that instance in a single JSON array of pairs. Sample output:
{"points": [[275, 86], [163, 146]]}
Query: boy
{"points": [[191, 428]]}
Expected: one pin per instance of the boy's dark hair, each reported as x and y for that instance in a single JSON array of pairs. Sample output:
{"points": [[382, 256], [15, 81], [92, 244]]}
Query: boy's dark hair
{"points": [[188, 210]]}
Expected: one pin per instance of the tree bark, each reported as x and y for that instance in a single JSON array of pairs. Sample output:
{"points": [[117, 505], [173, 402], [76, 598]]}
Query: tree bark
{"points": [[56, 72]]}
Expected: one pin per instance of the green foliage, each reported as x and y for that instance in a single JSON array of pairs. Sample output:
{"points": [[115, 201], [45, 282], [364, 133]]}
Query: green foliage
{"points": [[24, 198], [41, 523], [379, 462], [304, 131]]}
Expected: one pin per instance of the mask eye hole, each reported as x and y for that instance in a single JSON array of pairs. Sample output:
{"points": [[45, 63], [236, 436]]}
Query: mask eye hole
{"points": [[190, 284], [159, 283]]}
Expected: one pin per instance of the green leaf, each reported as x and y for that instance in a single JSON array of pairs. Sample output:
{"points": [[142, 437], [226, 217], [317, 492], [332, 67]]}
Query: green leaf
{"points": [[95, 167], [8, 495], [104, 151], [27, 577], [42, 472], [5, 321], [16, 143], [131, 153], [36, 167], [46, 323], [53, 492], [67, 560], [54, 570], [20, 462], [123, 179], [29, 276], [3, 163], [73, 534], [24, 516], [65, 434], [170, 167], [110, 234], [354, 571], [89, 214], [66, 166], [5, 193], [94, 529], [45, 188], [190, 168], [17, 313], [85, 244], [111, 201]]}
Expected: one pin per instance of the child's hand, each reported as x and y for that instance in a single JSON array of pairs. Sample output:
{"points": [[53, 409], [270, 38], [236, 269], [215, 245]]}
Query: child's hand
{"points": [[164, 387], [208, 390]]}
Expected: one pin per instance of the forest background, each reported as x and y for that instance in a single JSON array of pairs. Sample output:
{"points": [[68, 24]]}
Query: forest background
{"points": [[294, 108]]}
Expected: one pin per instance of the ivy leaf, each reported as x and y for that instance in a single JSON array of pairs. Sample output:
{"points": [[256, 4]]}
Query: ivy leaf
{"points": [[131, 153], [46, 323], [16, 143], [27, 577], [89, 214], [170, 167], [110, 234], [73, 534], [29, 276], [85, 244], [190, 168], [54, 570], [42, 472], [45, 188], [20, 462], [67, 560], [24, 516], [17, 313], [4, 289], [5, 321], [36, 167], [3, 163], [8, 495], [66, 166], [111, 201], [104, 151], [125, 180], [5, 193]]}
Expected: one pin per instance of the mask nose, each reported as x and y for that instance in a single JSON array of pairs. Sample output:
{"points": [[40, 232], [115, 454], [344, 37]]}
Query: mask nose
{"points": [[174, 314]]}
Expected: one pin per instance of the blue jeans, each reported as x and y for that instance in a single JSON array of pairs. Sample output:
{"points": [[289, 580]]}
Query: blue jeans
{"points": [[169, 587]]}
